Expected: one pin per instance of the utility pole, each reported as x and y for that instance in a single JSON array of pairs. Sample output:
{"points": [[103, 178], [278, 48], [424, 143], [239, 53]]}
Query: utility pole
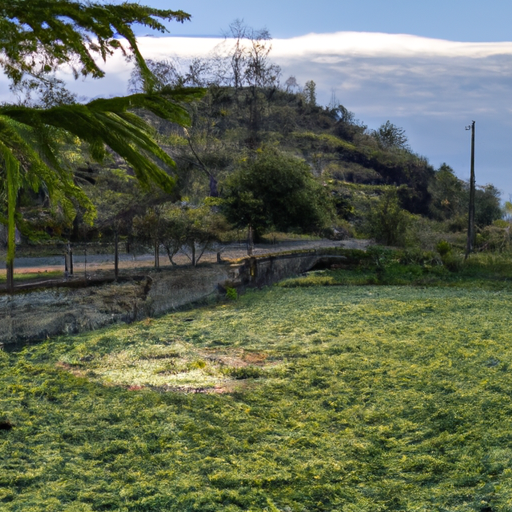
{"points": [[471, 216]]}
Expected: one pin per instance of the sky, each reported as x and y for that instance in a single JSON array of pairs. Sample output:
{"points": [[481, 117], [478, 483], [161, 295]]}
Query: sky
{"points": [[429, 67]]}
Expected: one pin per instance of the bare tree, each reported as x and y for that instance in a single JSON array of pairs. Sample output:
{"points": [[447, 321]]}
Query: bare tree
{"points": [[248, 57]]}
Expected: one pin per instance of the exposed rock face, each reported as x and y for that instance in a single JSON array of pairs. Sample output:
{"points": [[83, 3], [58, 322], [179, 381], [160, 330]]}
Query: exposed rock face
{"points": [[41, 314]]}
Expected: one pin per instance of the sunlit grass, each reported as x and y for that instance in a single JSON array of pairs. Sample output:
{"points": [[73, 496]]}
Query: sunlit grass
{"points": [[27, 276], [370, 398]]}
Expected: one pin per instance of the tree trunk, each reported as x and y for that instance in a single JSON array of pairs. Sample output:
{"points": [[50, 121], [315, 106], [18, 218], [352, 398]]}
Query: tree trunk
{"points": [[193, 247], [157, 255], [170, 255], [250, 241], [85, 262], [214, 192], [10, 276]]}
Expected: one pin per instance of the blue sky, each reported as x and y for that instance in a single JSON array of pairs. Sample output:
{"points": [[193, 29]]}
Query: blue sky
{"points": [[385, 59], [456, 20]]}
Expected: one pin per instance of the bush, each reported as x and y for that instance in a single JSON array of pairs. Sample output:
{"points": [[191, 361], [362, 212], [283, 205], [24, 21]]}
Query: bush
{"points": [[231, 294], [443, 248], [495, 237], [387, 221], [453, 262], [276, 191]]}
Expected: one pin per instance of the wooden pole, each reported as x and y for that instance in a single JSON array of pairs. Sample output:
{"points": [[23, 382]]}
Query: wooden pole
{"points": [[471, 215], [70, 252], [10, 276], [157, 254], [250, 241], [116, 255]]}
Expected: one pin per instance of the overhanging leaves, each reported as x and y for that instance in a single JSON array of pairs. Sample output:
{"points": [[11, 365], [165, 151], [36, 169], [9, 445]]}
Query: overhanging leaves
{"points": [[37, 36]]}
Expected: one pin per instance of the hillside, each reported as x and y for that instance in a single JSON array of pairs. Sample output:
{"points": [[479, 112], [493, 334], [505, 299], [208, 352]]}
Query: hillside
{"points": [[377, 186]]}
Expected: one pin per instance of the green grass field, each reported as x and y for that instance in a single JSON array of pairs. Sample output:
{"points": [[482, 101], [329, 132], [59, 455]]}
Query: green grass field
{"points": [[374, 398]]}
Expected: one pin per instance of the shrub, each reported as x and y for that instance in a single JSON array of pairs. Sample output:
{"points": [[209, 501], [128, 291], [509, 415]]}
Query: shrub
{"points": [[244, 372], [231, 293], [443, 248], [387, 221], [495, 237], [453, 262]]}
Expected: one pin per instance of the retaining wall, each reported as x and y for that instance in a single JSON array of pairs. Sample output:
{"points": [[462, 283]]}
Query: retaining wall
{"points": [[46, 313]]}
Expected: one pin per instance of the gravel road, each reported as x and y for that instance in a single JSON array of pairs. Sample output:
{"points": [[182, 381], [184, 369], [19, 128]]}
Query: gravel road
{"points": [[93, 262]]}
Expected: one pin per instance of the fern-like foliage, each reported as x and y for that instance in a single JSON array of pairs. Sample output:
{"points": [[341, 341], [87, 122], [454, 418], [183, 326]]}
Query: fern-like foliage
{"points": [[30, 157], [38, 36]]}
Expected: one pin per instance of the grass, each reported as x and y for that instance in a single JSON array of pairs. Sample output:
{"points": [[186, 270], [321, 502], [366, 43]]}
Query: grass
{"points": [[379, 266], [27, 276], [329, 398]]}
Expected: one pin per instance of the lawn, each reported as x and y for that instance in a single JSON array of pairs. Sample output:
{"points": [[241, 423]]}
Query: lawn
{"points": [[374, 398]]}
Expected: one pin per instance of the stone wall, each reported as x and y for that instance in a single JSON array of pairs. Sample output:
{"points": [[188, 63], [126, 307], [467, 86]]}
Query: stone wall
{"points": [[41, 314]]}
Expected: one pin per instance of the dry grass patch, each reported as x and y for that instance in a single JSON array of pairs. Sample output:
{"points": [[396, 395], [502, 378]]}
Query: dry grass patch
{"points": [[172, 366]]}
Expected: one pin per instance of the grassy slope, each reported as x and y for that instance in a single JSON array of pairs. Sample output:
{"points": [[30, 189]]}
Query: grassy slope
{"points": [[382, 398]]}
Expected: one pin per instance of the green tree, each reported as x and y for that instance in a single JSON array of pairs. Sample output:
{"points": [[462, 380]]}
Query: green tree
{"points": [[387, 221], [276, 191], [449, 195], [37, 37], [390, 136], [450, 200], [487, 205], [310, 93], [177, 227]]}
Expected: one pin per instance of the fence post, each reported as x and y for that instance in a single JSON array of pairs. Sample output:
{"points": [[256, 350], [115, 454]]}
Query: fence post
{"points": [[116, 255], [70, 253], [157, 254]]}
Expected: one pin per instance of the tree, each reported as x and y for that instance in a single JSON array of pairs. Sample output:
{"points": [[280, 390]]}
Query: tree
{"points": [[248, 57], [387, 221], [449, 195], [310, 93], [178, 227], [450, 200], [276, 191], [390, 136], [487, 205], [38, 36], [291, 84]]}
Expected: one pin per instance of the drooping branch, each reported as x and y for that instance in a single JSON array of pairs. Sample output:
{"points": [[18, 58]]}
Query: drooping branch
{"points": [[38, 36]]}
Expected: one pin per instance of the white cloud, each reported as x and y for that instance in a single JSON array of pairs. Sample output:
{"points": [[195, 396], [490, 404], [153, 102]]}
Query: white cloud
{"points": [[374, 44]]}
